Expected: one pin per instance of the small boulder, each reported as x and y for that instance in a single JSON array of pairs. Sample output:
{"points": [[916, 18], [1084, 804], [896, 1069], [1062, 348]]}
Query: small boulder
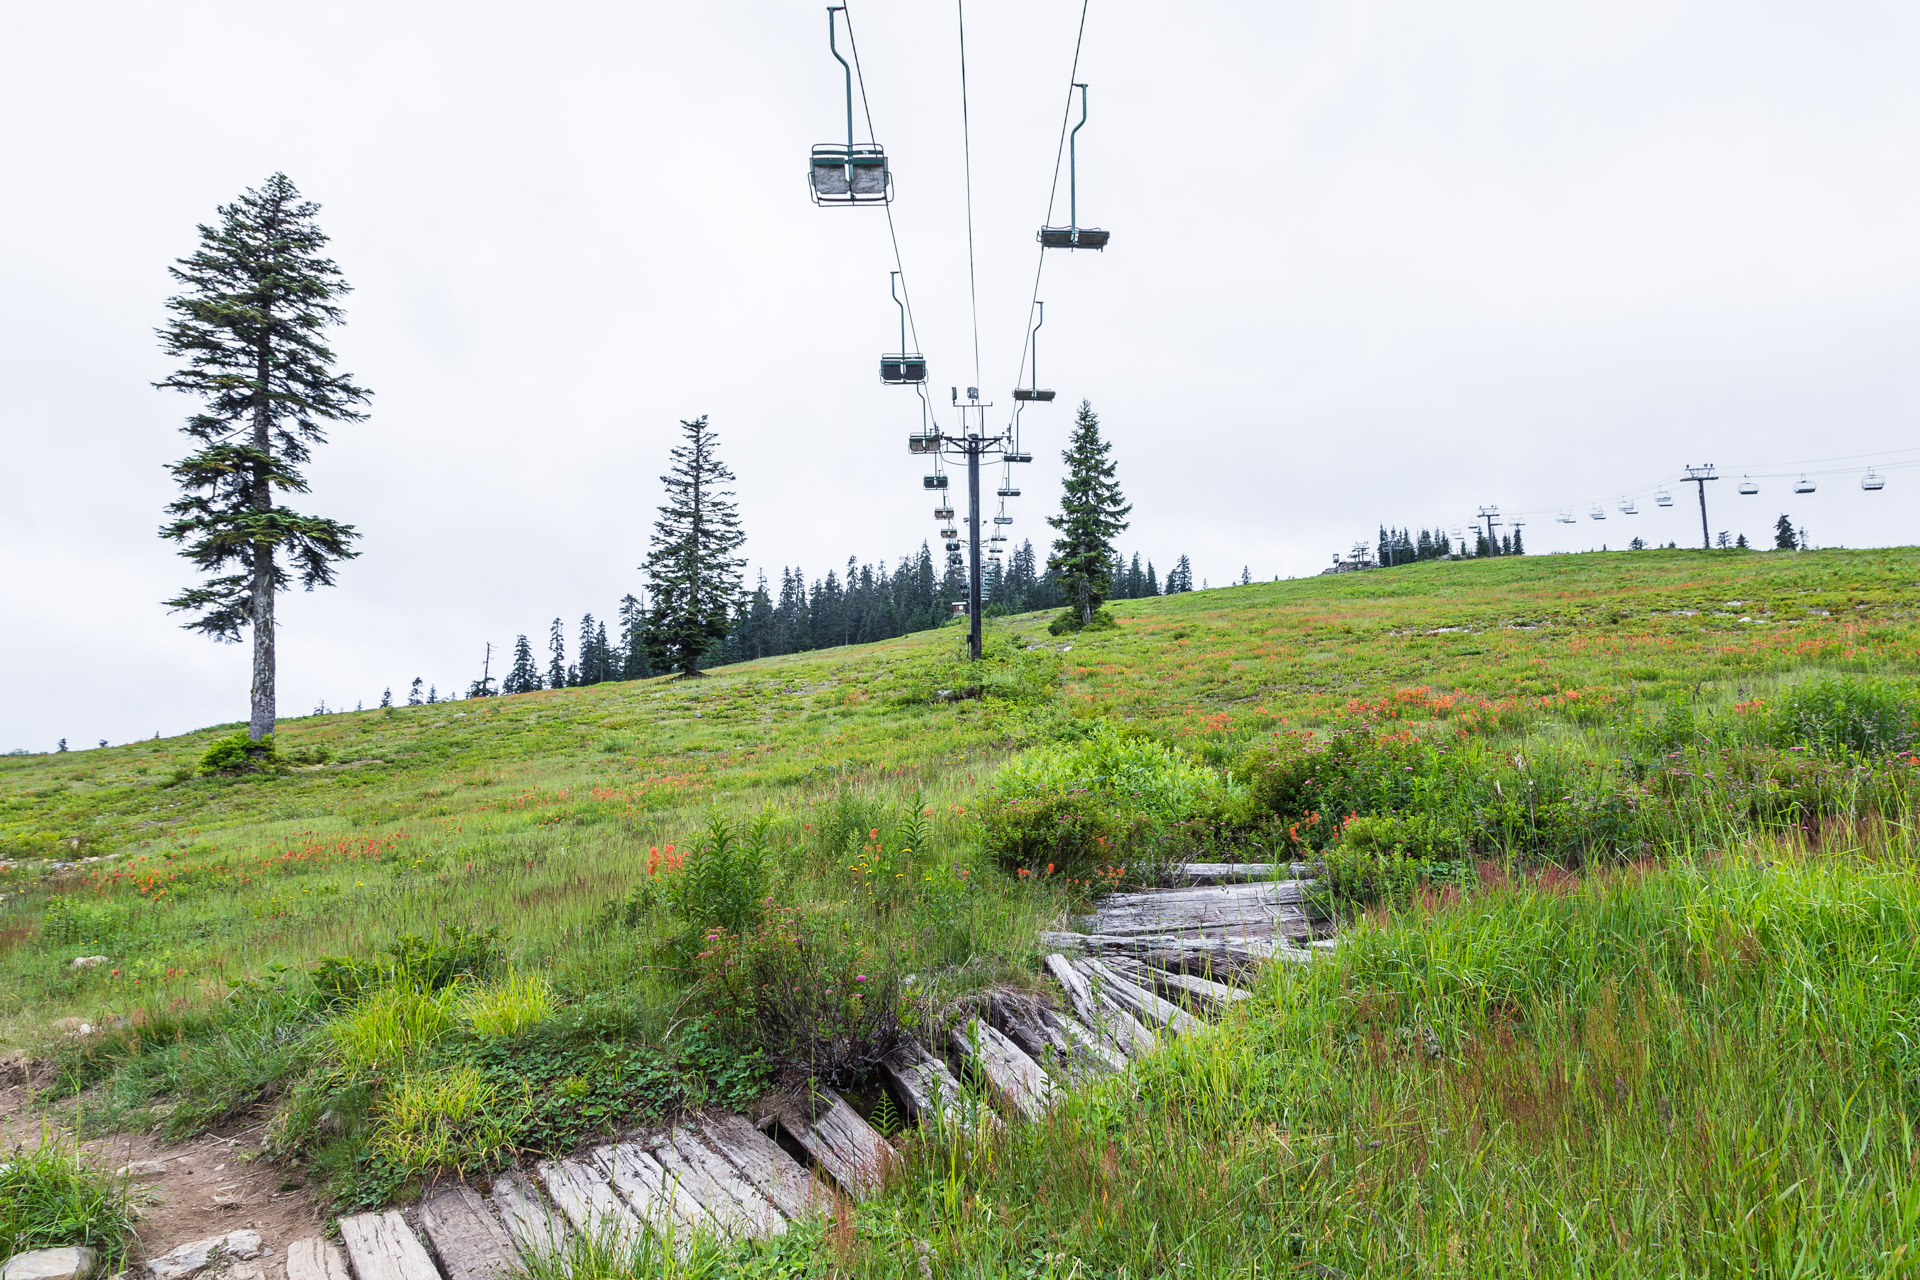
{"points": [[88, 962], [73, 1263], [193, 1258]]}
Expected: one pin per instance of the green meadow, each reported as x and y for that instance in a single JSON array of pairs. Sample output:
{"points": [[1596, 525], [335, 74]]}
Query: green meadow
{"points": [[1622, 844]]}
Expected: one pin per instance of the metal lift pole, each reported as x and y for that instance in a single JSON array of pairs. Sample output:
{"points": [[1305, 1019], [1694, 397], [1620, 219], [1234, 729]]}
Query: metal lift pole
{"points": [[974, 445], [831, 10], [1073, 165], [1698, 477]]}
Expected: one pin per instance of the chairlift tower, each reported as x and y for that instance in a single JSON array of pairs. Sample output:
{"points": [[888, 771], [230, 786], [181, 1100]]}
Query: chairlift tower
{"points": [[1492, 516], [1698, 477], [971, 444]]}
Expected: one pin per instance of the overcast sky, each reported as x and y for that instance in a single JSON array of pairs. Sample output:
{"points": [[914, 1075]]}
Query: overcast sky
{"points": [[1370, 263]]}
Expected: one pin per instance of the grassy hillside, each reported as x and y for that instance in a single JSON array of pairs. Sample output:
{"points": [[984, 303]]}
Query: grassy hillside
{"points": [[1440, 733]]}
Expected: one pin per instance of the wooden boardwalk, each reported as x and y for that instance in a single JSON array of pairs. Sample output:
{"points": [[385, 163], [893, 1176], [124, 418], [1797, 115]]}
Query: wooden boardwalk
{"points": [[1141, 967]]}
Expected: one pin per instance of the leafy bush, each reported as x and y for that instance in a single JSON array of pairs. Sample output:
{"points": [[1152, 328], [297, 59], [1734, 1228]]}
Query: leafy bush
{"points": [[1135, 772], [1069, 622], [818, 999], [1383, 858], [725, 881], [1842, 716], [49, 1197], [240, 754]]}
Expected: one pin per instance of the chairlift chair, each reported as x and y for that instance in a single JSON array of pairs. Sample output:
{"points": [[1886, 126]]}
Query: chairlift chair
{"points": [[923, 442], [943, 513], [1003, 519], [950, 531], [953, 546], [1007, 491], [1017, 456], [1073, 235], [1747, 486], [857, 172], [1035, 391], [1627, 507], [1599, 512], [901, 367], [934, 482], [1663, 499], [1566, 516], [1873, 481], [1805, 485]]}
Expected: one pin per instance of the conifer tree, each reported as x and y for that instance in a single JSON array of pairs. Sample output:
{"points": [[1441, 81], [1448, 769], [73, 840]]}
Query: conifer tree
{"points": [[433, 694], [591, 665], [386, 697], [633, 639], [1784, 538], [1180, 579], [1519, 547], [1091, 513], [1153, 583], [256, 299], [557, 667], [693, 575], [413, 694], [523, 676], [1246, 576]]}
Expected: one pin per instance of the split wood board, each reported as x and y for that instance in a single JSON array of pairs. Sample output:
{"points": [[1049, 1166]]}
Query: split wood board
{"points": [[840, 1142], [471, 1245], [933, 1094], [673, 1214], [1106, 1020], [316, 1259], [381, 1246], [586, 1196], [1138, 1000], [1188, 874], [537, 1230], [1179, 987], [733, 1203], [1258, 909], [770, 1170], [1010, 1073]]}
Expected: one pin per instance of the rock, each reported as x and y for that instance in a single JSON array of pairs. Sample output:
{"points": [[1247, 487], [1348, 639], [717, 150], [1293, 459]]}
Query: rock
{"points": [[143, 1169], [73, 1263], [192, 1259], [88, 962]]}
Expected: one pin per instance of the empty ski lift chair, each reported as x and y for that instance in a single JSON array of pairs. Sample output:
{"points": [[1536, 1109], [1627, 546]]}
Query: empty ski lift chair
{"points": [[1035, 391], [1747, 486], [1007, 491], [1663, 499], [902, 367], [1073, 235], [1873, 481], [934, 482], [943, 513], [1627, 507], [1805, 485], [924, 442], [1566, 516], [1599, 512], [857, 172]]}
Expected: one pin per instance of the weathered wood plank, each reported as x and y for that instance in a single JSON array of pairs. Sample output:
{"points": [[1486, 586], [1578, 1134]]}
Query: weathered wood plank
{"points": [[932, 1094], [1135, 998], [840, 1142], [1258, 909], [1214, 957], [586, 1195], [1092, 1046], [316, 1259], [658, 1199], [1009, 1073], [1180, 988], [471, 1244], [536, 1229], [1041, 1034], [1189, 874], [771, 1171], [381, 1246], [1105, 1019], [729, 1198]]}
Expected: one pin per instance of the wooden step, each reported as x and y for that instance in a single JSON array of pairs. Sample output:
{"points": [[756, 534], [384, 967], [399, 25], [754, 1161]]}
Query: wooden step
{"points": [[840, 1142], [1041, 1034], [1012, 1076], [1255, 909], [1138, 1001], [536, 1229], [1107, 1021], [766, 1168], [1180, 988], [932, 1094], [585, 1194], [654, 1195], [316, 1259], [1225, 957], [472, 1245], [730, 1200], [1189, 874], [381, 1246]]}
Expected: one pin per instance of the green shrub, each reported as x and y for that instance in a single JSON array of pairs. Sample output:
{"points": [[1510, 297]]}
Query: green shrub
{"points": [[820, 1000], [726, 879], [49, 1197], [240, 755], [1383, 859], [1843, 716], [1068, 622]]}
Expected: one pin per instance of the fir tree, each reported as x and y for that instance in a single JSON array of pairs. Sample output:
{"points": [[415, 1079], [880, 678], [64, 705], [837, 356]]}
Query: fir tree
{"points": [[433, 694], [483, 687], [386, 698], [1784, 538], [591, 663], [413, 694], [523, 676], [256, 299], [1740, 542], [1180, 577], [1091, 513], [62, 746], [557, 666], [693, 577], [633, 639], [1519, 547], [1153, 584], [1246, 576]]}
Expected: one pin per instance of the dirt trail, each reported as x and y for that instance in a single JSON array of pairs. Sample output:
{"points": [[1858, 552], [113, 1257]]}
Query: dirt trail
{"points": [[211, 1185]]}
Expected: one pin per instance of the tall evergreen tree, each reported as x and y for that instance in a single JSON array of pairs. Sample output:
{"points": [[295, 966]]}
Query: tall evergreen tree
{"points": [[1092, 511], [1180, 577], [693, 575], [524, 675], [256, 299], [1784, 537], [591, 667], [557, 663], [633, 639], [1153, 583], [413, 694]]}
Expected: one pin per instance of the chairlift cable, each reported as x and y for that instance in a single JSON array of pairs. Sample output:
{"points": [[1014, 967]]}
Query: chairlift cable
{"points": [[866, 108], [966, 151], [1053, 192]]}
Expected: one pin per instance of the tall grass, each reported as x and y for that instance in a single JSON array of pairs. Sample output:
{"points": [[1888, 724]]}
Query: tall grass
{"points": [[50, 1196]]}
